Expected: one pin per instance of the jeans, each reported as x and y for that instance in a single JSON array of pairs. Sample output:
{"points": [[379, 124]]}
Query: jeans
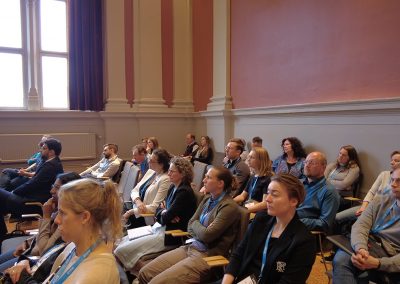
{"points": [[7, 260]]}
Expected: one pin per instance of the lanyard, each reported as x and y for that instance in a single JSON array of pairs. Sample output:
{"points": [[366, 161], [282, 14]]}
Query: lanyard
{"points": [[47, 255], [265, 251], [60, 276], [253, 187], [210, 205], [380, 224]]}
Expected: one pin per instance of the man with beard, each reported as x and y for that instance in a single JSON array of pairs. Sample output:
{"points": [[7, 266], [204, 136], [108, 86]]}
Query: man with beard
{"points": [[107, 167], [35, 189]]}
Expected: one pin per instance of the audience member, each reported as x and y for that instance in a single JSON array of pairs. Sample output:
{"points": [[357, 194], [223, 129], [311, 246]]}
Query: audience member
{"points": [[244, 153], [140, 159], [321, 203], [48, 234], [256, 142], [380, 186], [152, 144], [277, 247], [213, 228], [173, 214], [292, 159], [10, 179], [257, 186], [90, 218], [148, 194], [344, 173], [236, 165], [36, 188], [375, 239], [108, 166], [204, 153], [191, 146]]}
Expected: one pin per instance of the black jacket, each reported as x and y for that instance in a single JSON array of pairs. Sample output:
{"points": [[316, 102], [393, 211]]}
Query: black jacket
{"points": [[38, 187], [180, 204], [289, 260]]}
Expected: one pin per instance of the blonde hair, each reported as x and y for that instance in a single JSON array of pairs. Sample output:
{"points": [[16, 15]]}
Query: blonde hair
{"points": [[101, 201], [265, 162]]}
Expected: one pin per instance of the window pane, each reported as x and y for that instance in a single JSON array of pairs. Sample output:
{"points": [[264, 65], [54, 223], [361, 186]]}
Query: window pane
{"points": [[10, 23], [54, 82], [11, 82], [53, 22]]}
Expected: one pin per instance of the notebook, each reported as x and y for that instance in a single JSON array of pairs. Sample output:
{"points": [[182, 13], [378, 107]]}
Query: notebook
{"points": [[139, 232]]}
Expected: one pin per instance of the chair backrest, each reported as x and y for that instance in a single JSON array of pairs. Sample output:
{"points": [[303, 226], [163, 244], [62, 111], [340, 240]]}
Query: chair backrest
{"points": [[357, 185], [117, 177], [199, 170], [124, 176], [243, 224], [131, 182]]}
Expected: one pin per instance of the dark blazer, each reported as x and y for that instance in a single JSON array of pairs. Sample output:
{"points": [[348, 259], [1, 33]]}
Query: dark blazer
{"points": [[38, 187], [295, 249], [180, 204]]}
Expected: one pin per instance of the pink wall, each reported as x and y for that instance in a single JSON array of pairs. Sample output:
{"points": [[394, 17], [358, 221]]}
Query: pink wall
{"points": [[293, 52], [202, 53]]}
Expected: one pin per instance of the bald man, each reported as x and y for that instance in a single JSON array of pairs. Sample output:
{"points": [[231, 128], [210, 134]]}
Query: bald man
{"points": [[320, 206]]}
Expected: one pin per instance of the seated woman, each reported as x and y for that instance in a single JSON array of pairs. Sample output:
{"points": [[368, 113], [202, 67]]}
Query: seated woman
{"points": [[152, 144], [205, 153], [90, 218], [277, 247], [150, 191], [213, 227], [174, 214], [48, 234], [292, 159], [344, 173], [257, 186]]}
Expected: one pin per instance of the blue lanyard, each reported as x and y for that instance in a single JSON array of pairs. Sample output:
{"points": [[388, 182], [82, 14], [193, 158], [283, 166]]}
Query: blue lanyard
{"points": [[380, 224], [60, 276], [265, 251], [209, 206], [253, 187]]}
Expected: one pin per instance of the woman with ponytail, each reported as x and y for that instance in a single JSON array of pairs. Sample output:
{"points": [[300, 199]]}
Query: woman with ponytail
{"points": [[89, 217]]}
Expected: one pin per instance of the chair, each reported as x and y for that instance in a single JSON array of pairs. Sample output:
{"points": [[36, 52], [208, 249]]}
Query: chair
{"points": [[199, 170], [319, 235], [117, 176]]}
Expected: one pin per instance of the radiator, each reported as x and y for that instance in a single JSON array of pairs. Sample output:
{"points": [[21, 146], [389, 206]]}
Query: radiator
{"points": [[17, 148]]}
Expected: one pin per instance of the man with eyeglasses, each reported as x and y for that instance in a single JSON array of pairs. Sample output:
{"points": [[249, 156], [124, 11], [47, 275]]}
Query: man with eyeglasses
{"points": [[321, 203], [107, 167], [35, 189]]}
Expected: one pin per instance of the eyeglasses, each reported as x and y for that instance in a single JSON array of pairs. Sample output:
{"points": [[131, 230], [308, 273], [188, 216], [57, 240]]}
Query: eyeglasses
{"points": [[172, 171], [311, 162]]}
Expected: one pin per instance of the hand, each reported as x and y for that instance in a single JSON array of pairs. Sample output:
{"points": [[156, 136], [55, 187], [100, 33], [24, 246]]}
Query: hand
{"points": [[362, 208], [127, 214], [162, 205], [22, 172], [141, 206], [176, 220], [20, 249], [363, 261], [48, 208], [16, 270]]}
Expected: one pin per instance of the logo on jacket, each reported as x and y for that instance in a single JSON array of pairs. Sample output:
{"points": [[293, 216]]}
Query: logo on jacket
{"points": [[280, 266]]}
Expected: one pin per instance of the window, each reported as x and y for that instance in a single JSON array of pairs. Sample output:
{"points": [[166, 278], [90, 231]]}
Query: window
{"points": [[33, 54]]}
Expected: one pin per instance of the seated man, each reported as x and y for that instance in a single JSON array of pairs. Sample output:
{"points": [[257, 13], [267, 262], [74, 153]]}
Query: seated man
{"points": [[35, 189], [191, 147], [256, 142], [140, 159], [236, 165], [320, 206], [379, 223], [107, 167]]}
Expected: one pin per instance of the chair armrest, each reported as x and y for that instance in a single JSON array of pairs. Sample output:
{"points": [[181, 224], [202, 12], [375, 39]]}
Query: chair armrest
{"points": [[170, 232], [353, 199], [26, 216], [34, 204], [147, 215], [215, 261], [180, 234]]}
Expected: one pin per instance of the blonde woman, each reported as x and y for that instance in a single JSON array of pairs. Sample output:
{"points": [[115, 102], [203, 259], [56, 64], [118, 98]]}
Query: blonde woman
{"points": [[260, 166]]}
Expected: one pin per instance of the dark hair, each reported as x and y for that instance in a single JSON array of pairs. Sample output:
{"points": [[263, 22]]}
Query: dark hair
{"points": [[395, 153], [163, 158], [226, 176], [297, 147], [353, 156], [293, 185], [140, 149], [185, 168], [239, 144], [192, 136], [208, 140], [53, 144], [67, 177], [257, 139], [112, 146]]}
